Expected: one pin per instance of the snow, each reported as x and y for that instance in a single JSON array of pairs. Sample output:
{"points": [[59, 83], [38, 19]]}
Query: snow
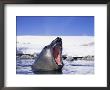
{"points": [[72, 45]]}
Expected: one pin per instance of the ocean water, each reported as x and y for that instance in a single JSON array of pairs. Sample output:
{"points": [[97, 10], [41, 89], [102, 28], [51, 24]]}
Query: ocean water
{"points": [[23, 66]]}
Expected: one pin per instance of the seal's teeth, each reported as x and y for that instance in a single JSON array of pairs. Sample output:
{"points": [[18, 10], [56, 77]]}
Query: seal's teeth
{"points": [[57, 55]]}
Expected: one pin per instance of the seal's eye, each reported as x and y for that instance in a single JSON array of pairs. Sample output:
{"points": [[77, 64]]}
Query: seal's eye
{"points": [[45, 46]]}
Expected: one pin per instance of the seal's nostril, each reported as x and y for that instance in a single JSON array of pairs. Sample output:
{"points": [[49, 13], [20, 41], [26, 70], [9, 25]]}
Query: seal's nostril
{"points": [[58, 38]]}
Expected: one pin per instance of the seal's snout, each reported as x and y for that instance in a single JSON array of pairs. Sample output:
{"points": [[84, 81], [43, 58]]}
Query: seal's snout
{"points": [[58, 39], [56, 42]]}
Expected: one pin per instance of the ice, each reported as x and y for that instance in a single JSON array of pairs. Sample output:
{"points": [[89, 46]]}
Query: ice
{"points": [[72, 45], [78, 67], [70, 67]]}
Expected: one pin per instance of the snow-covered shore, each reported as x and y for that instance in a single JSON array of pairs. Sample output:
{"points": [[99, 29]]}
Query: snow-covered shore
{"points": [[72, 45]]}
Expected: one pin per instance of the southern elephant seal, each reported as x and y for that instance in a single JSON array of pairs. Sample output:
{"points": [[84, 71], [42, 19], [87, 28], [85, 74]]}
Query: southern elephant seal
{"points": [[50, 58]]}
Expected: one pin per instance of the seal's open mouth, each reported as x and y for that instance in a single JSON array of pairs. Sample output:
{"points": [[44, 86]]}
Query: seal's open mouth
{"points": [[57, 55], [57, 50]]}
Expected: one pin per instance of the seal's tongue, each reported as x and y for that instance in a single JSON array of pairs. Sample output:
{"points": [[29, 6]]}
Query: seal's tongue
{"points": [[57, 56]]}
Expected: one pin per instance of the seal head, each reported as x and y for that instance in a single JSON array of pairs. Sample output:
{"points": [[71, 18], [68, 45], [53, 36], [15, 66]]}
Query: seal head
{"points": [[50, 58]]}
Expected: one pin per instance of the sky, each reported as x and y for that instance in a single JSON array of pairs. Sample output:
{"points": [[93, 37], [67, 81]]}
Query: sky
{"points": [[55, 25]]}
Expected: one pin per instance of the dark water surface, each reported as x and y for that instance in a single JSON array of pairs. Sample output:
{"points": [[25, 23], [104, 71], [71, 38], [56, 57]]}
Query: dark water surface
{"points": [[23, 66]]}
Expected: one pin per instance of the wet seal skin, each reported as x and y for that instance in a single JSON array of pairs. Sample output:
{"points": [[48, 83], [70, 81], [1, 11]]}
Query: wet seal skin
{"points": [[50, 59]]}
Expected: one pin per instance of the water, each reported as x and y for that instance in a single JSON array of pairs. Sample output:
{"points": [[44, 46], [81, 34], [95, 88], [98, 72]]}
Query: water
{"points": [[23, 66]]}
